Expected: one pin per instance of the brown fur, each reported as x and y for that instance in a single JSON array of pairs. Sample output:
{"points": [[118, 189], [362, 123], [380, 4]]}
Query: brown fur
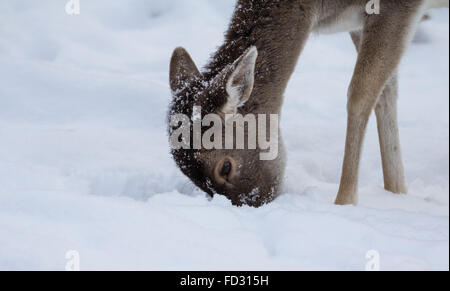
{"points": [[279, 30]]}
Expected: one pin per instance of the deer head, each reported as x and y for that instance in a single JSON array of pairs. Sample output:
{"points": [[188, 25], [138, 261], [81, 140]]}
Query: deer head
{"points": [[238, 174]]}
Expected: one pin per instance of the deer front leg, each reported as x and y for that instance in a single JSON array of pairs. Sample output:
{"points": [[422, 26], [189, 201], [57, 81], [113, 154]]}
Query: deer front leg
{"points": [[388, 132], [381, 48], [386, 112]]}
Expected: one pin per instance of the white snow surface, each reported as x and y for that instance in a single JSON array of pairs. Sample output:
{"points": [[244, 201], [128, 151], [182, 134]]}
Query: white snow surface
{"points": [[85, 164]]}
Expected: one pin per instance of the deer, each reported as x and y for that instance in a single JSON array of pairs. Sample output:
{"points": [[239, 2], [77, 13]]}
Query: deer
{"points": [[249, 73]]}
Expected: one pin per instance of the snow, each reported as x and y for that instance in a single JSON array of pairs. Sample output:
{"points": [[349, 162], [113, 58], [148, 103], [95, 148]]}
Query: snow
{"points": [[85, 164]]}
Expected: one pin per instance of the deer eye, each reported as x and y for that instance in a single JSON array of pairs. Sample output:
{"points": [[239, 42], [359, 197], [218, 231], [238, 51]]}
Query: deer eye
{"points": [[226, 169]]}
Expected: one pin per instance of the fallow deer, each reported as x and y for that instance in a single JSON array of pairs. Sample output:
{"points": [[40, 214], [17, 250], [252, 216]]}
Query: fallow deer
{"points": [[249, 74]]}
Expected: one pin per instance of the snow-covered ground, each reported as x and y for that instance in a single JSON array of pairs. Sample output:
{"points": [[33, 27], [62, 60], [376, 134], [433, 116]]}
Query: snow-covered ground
{"points": [[84, 161]]}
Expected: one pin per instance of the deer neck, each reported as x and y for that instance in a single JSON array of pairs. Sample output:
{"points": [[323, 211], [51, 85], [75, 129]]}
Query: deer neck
{"points": [[279, 30]]}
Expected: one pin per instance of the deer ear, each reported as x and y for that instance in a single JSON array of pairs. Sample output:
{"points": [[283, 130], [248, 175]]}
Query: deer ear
{"points": [[240, 83], [182, 69]]}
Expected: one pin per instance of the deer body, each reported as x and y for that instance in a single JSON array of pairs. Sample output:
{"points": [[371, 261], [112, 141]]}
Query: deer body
{"points": [[249, 74]]}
